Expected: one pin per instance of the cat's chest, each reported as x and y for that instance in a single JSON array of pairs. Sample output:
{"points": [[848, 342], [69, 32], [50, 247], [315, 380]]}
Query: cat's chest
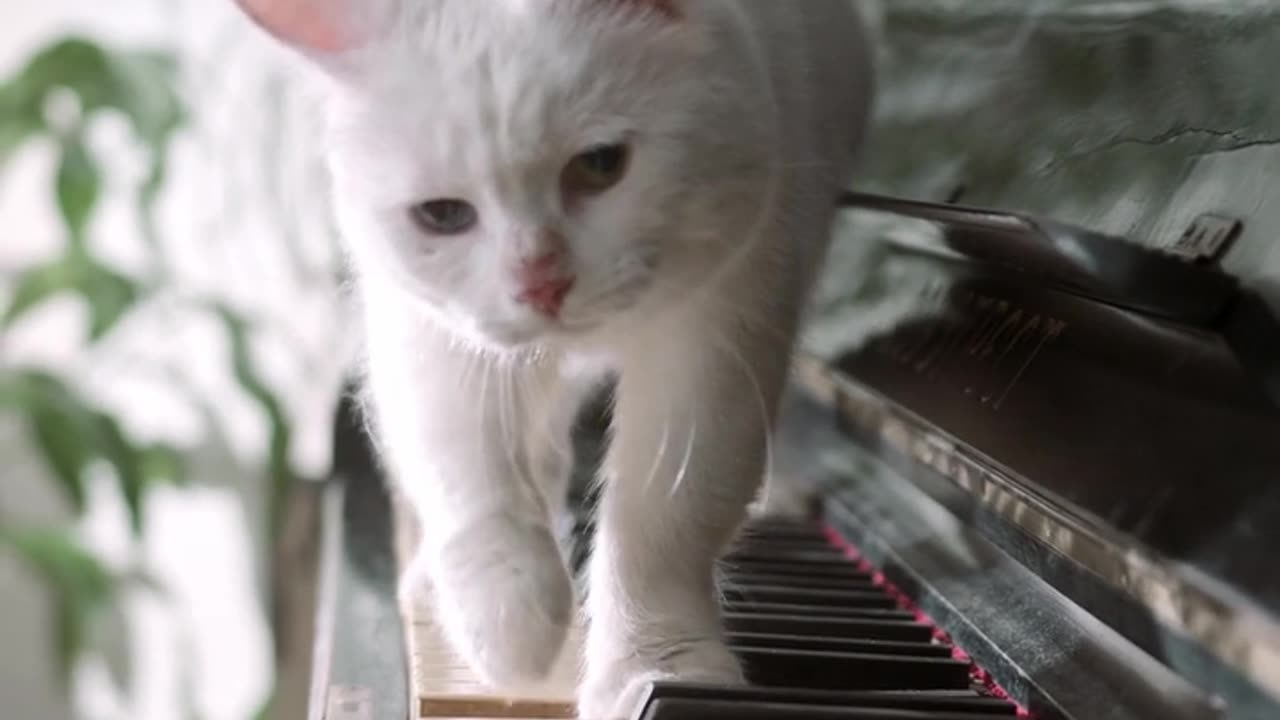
{"points": [[587, 365]]}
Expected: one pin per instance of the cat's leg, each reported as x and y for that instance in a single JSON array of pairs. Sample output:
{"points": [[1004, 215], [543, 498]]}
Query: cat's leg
{"points": [[693, 412], [450, 423]]}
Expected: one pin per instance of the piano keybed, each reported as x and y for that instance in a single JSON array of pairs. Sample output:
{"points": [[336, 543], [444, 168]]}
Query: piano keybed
{"points": [[819, 635]]}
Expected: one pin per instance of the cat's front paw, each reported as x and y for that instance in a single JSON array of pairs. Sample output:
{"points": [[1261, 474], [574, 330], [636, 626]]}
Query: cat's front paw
{"points": [[504, 599], [613, 688]]}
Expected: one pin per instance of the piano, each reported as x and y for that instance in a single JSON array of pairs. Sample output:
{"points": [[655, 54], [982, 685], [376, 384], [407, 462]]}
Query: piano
{"points": [[1035, 415]]}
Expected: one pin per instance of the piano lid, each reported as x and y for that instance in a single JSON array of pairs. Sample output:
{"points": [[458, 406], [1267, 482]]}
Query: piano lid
{"points": [[1058, 289], [1131, 119]]}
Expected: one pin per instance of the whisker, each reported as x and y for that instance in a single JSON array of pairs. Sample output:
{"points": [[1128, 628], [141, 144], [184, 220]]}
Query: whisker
{"points": [[505, 424], [662, 446], [546, 402], [684, 463], [763, 405]]}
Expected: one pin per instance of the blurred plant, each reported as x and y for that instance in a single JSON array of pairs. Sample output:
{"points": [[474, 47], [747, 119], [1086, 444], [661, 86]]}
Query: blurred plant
{"points": [[60, 92]]}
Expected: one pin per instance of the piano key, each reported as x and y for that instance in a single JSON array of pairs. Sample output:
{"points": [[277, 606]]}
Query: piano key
{"points": [[745, 593], [815, 541], [839, 568], [953, 701], [851, 628], [485, 707], [814, 582], [768, 548], [802, 556], [782, 525], [832, 611], [818, 670], [702, 709], [807, 527], [806, 642], [800, 540], [812, 629]]}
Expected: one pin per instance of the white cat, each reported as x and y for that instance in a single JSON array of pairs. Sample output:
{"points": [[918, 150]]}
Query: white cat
{"points": [[537, 193]]}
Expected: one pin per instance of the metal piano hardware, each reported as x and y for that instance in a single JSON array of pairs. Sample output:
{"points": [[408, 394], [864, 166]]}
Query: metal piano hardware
{"points": [[1104, 268], [1207, 239]]}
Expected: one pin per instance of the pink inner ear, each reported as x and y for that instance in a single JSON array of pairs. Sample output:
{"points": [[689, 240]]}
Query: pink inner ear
{"points": [[315, 25]]}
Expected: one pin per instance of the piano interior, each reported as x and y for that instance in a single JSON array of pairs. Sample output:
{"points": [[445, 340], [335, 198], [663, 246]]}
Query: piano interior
{"points": [[1035, 417]]}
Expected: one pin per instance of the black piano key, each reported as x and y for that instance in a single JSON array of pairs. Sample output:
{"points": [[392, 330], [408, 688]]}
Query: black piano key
{"points": [[797, 540], [756, 542], [782, 525], [705, 709], [816, 670], [839, 568], [805, 531], [830, 644], [796, 556], [808, 582], [829, 611], [966, 702], [766, 550], [899, 630], [746, 593]]}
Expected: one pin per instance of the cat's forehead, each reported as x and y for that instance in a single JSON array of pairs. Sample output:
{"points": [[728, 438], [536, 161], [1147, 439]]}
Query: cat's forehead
{"points": [[513, 68], [493, 89]]}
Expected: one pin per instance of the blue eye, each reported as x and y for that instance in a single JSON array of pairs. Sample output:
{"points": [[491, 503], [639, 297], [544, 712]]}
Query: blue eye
{"points": [[445, 216]]}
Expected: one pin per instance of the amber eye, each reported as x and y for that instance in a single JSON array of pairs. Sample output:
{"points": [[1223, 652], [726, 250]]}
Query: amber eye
{"points": [[596, 170], [445, 217]]}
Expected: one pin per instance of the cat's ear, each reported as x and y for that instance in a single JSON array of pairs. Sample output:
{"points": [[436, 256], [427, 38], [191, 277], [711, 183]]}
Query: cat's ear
{"points": [[316, 28], [329, 33]]}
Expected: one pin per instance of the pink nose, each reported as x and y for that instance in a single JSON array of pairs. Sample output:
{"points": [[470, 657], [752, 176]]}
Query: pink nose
{"points": [[546, 297], [545, 284]]}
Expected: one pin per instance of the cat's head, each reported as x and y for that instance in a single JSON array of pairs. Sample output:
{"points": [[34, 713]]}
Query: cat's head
{"points": [[531, 170]]}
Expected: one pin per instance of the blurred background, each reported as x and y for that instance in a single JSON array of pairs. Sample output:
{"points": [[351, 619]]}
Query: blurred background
{"points": [[171, 348]]}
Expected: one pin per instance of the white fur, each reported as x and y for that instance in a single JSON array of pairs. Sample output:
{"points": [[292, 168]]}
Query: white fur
{"points": [[692, 274]]}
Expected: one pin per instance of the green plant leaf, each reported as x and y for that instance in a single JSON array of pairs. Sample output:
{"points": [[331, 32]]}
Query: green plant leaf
{"points": [[146, 92], [36, 285], [278, 466], [81, 586], [72, 63], [137, 469], [62, 428], [19, 122], [148, 82], [126, 461], [71, 435], [108, 294], [78, 184], [163, 464], [60, 439], [148, 193], [141, 85]]}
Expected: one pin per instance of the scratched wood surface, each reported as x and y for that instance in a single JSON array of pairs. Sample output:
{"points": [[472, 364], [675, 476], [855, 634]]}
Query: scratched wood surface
{"points": [[442, 684]]}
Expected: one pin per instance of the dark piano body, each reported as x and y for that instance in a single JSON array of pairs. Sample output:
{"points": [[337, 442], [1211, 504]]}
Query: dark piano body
{"points": [[1047, 476]]}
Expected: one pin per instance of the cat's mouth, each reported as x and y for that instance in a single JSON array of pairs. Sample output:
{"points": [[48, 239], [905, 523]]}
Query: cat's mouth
{"points": [[581, 320], [534, 335]]}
